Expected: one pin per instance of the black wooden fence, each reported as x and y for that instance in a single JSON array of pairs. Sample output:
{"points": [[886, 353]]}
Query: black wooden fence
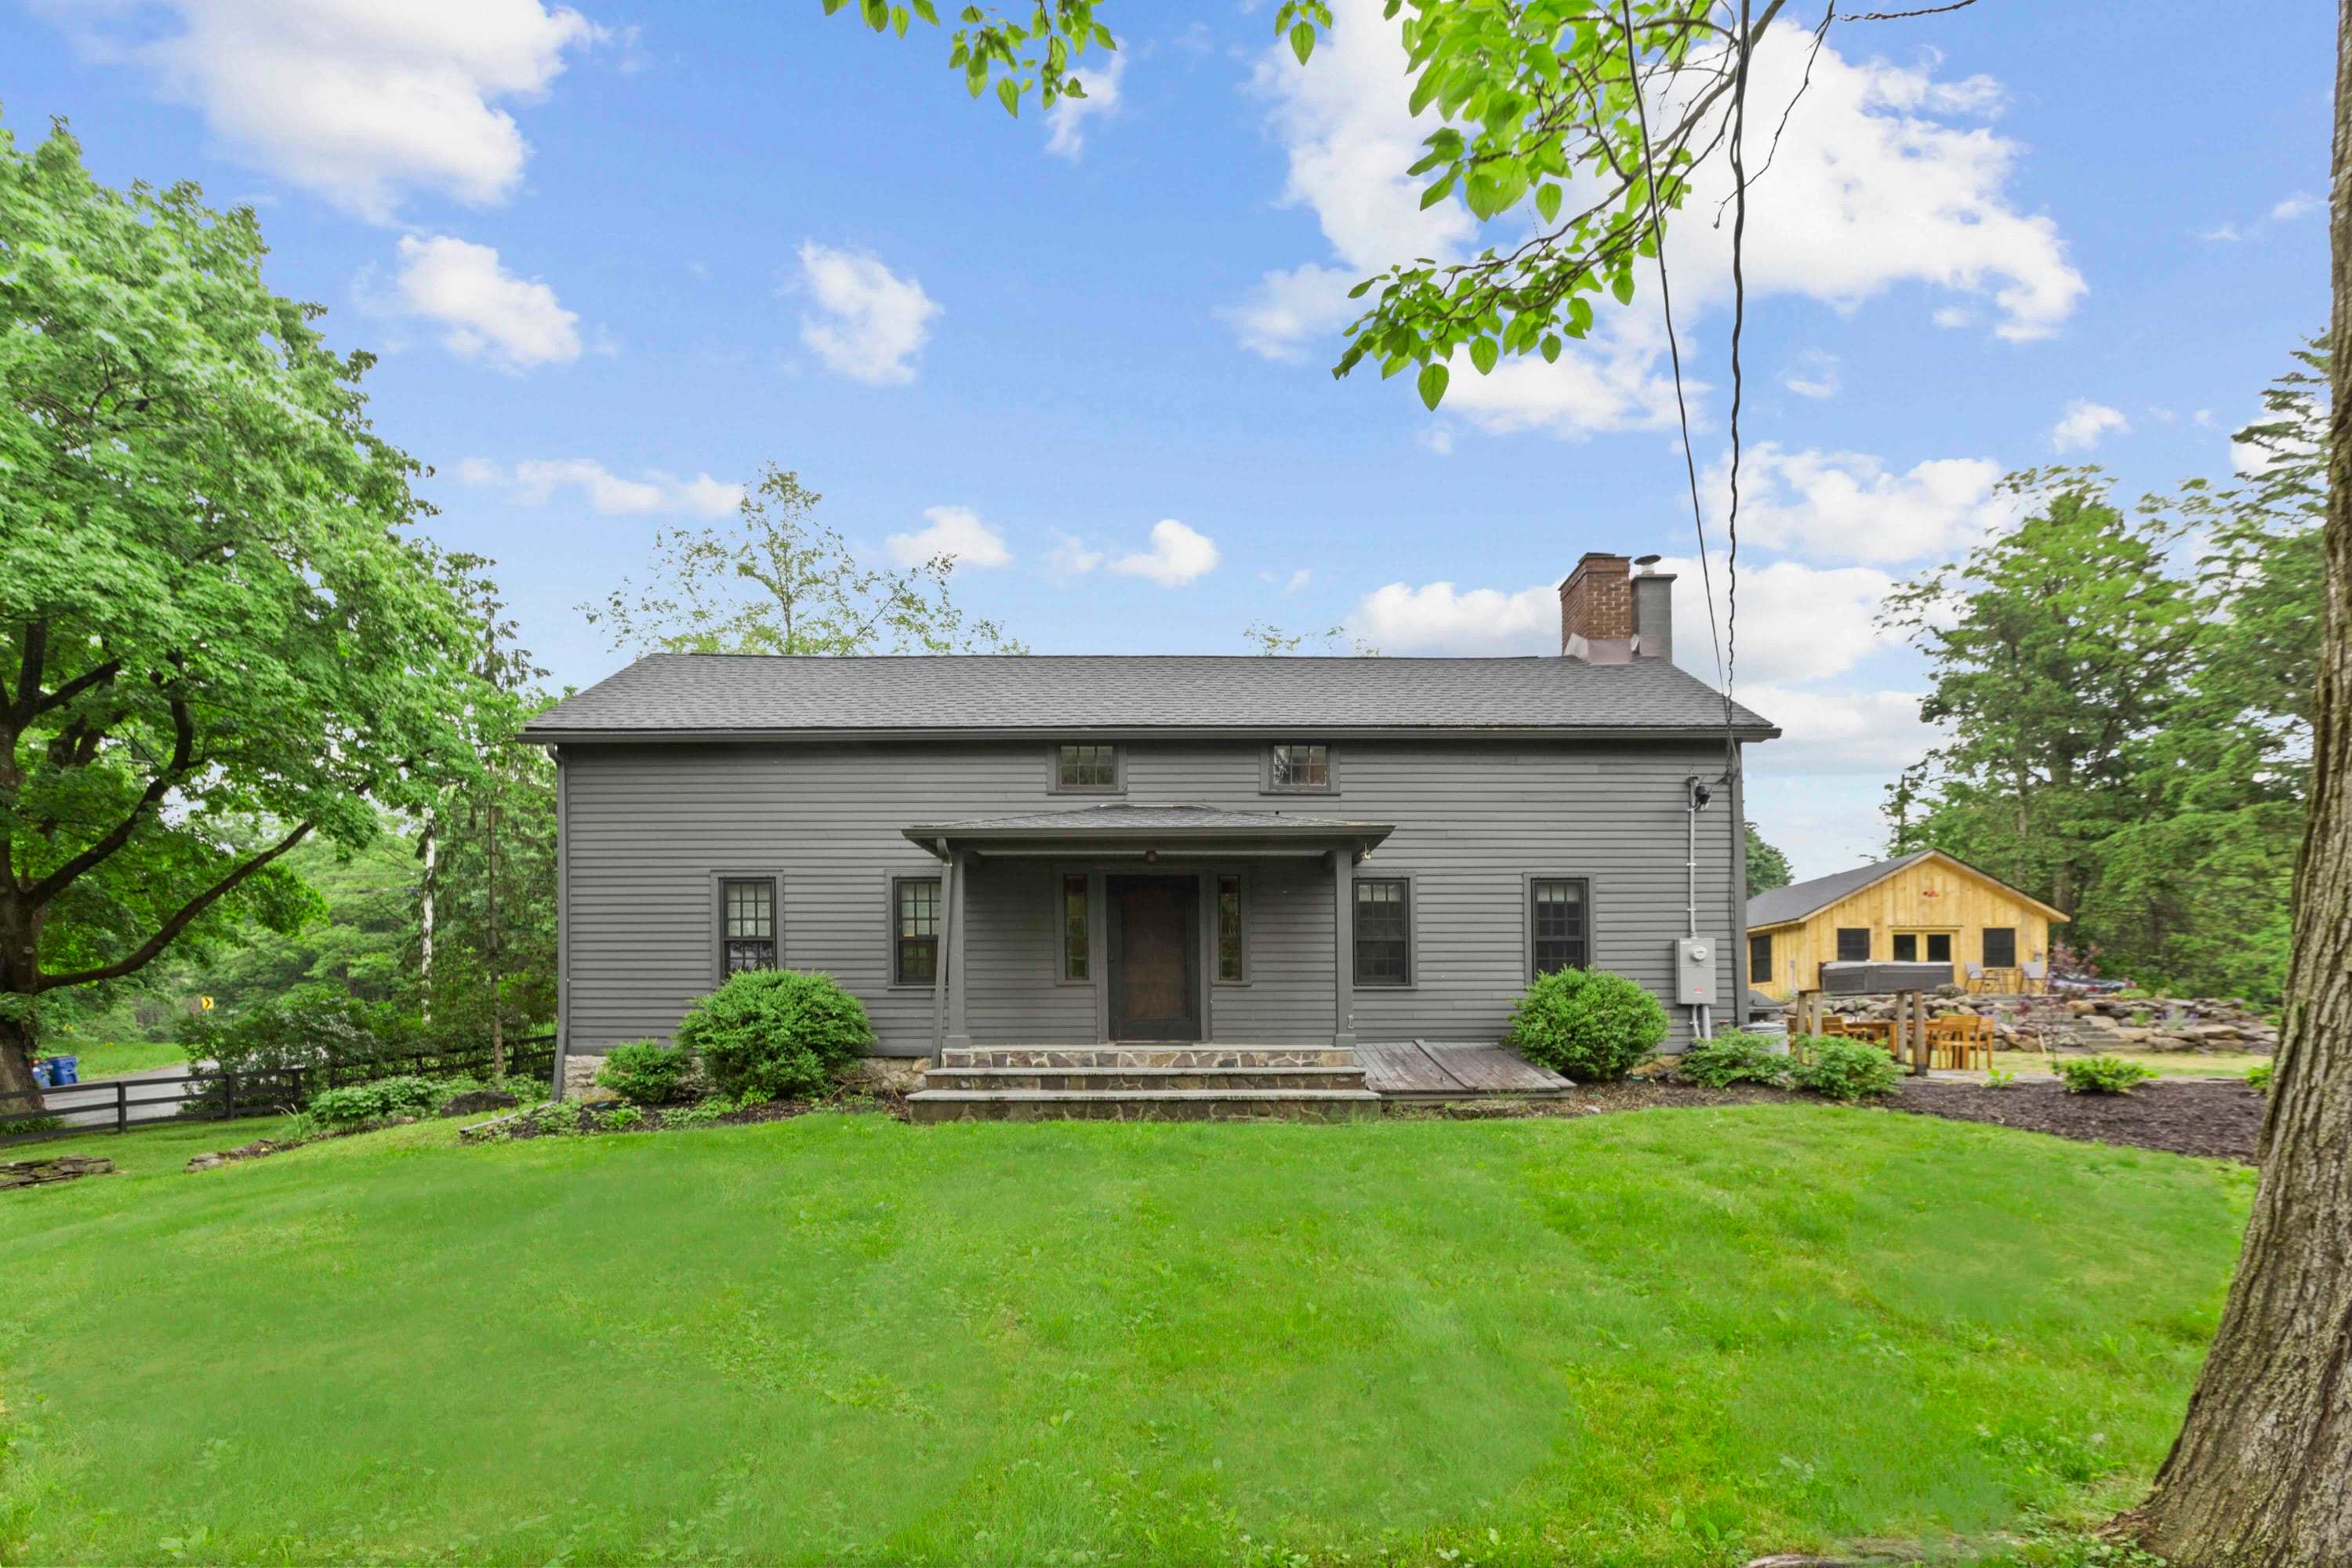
{"points": [[206, 1093]]}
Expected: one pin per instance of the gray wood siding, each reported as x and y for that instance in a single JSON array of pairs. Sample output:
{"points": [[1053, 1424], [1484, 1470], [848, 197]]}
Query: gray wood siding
{"points": [[648, 828]]}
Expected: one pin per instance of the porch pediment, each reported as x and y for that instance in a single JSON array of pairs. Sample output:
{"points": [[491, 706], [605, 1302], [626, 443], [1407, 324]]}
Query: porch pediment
{"points": [[1198, 829]]}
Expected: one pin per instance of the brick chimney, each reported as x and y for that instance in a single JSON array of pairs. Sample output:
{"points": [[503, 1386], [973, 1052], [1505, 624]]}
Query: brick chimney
{"points": [[1596, 610]]}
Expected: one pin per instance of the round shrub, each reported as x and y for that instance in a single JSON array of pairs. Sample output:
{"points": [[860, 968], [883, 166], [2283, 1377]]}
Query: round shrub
{"points": [[2101, 1075], [1587, 1023], [781, 1033], [645, 1072], [1734, 1056], [358, 1104], [1838, 1068]]}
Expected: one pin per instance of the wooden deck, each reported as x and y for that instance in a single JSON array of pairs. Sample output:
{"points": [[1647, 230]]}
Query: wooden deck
{"points": [[1422, 1071]]}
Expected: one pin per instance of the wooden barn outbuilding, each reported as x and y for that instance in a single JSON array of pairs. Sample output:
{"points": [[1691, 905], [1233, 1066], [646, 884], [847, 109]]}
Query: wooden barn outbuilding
{"points": [[1927, 907]]}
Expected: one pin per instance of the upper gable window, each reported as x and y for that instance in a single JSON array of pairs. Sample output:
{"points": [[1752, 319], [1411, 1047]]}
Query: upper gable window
{"points": [[1301, 765], [1087, 767]]}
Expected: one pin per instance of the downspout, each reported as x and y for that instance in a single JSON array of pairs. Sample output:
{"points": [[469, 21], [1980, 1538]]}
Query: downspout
{"points": [[1694, 796]]}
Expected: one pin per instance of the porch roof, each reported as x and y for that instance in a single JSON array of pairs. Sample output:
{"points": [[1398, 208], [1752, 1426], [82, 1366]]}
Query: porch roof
{"points": [[1149, 827]]}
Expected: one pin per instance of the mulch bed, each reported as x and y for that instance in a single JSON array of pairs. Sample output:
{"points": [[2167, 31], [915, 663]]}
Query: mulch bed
{"points": [[2214, 1118], [526, 1126]]}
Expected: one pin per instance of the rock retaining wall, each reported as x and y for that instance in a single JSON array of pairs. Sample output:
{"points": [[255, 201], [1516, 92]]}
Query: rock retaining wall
{"points": [[2095, 1024]]}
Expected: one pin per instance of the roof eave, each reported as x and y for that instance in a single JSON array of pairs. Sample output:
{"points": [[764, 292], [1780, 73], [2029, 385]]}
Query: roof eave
{"points": [[554, 735]]}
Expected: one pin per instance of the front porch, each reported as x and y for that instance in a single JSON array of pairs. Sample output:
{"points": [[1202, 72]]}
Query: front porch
{"points": [[1175, 925]]}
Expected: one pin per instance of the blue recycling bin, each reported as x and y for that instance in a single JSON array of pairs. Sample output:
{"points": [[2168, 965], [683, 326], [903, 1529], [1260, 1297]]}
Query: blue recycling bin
{"points": [[64, 1070], [41, 1078]]}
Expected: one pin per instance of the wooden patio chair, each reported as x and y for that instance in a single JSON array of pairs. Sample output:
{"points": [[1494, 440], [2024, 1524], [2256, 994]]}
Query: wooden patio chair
{"points": [[1959, 1042], [1833, 1025]]}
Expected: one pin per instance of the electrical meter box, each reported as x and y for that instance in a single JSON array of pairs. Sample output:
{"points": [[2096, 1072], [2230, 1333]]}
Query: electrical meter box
{"points": [[1695, 972]]}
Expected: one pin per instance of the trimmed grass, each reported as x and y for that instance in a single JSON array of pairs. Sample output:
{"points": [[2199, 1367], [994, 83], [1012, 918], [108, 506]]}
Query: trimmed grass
{"points": [[2163, 1064], [1679, 1337], [105, 1058]]}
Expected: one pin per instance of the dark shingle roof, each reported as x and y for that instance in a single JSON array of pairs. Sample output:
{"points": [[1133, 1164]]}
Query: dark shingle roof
{"points": [[1798, 900], [756, 695]]}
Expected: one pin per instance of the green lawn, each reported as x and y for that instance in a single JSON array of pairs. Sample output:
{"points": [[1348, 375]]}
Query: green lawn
{"points": [[1669, 1338], [105, 1058]]}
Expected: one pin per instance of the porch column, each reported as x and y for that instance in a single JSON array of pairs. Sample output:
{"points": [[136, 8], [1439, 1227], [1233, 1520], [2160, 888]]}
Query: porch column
{"points": [[1343, 954], [959, 1029]]}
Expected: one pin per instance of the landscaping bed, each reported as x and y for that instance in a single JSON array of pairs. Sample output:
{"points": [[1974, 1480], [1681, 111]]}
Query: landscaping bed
{"points": [[2181, 1115], [2214, 1119]]}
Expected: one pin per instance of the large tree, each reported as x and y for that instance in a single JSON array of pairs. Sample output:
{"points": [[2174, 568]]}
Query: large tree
{"points": [[2261, 1476], [215, 640], [781, 581]]}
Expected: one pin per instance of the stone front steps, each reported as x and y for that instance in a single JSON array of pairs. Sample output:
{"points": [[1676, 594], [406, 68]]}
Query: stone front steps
{"points": [[1144, 1083], [1148, 1056]]}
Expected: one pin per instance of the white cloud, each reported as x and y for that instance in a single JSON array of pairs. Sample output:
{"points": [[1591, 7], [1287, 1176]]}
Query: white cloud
{"points": [[1069, 116], [1873, 185], [1438, 439], [1438, 617], [1839, 731], [358, 100], [869, 323], [1951, 317], [1178, 556], [1797, 623], [2222, 233], [954, 531], [2083, 422], [490, 314], [1849, 507], [534, 482], [1814, 375], [1290, 308], [1071, 557], [2301, 203], [1290, 585]]}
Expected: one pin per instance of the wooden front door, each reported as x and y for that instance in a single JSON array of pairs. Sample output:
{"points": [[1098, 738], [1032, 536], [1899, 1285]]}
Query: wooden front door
{"points": [[1155, 993]]}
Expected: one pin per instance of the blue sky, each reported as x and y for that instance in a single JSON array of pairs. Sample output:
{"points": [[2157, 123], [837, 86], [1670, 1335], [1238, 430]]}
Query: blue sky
{"points": [[615, 259]]}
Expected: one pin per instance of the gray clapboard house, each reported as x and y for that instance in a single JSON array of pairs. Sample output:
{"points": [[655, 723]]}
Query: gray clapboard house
{"points": [[1047, 851]]}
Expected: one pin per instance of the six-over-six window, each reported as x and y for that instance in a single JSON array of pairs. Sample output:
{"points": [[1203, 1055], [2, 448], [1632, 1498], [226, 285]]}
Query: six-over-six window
{"points": [[1383, 931], [748, 905], [1559, 925], [1086, 767], [915, 926], [1301, 765]]}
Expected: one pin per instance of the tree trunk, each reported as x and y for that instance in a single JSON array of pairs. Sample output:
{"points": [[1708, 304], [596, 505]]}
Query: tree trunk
{"points": [[16, 1063], [2261, 1476], [424, 920]]}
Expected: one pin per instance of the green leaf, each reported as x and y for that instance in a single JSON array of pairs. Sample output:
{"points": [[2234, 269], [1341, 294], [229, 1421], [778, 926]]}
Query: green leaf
{"points": [[899, 18], [1433, 383], [1357, 291], [1623, 286], [1552, 348], [1548, 200], [923, 9], [1440, 191], [1302, 40], [1008, 93], [1483, 353], [878, 13]]}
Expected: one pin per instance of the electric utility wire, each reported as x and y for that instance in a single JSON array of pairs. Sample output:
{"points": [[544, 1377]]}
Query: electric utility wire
{"points": [[1738, 324], [1673, 347]]}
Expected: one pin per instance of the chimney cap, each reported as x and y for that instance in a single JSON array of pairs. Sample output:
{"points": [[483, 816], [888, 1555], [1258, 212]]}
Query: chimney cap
{"points": [[1646, 562]]}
